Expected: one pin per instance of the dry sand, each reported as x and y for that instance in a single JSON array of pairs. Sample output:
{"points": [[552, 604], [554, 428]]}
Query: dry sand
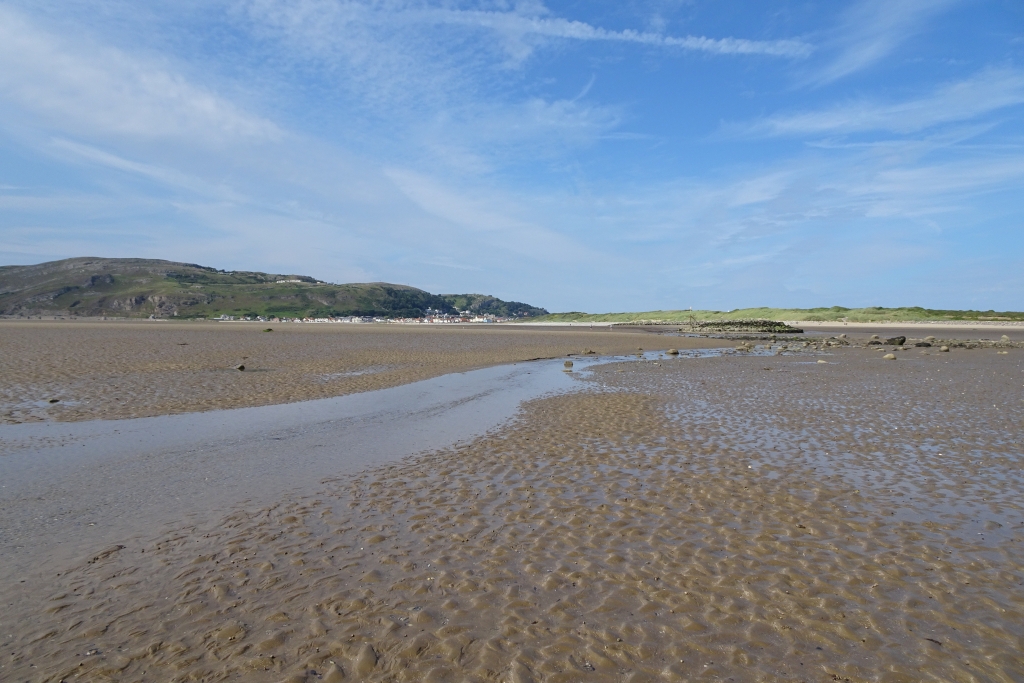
{"points": [[738, 518], [135, 369]]}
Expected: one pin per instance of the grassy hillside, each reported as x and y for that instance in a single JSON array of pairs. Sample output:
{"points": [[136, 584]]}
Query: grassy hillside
{"points": [[834, 314], [482, 304], [144, 287]]}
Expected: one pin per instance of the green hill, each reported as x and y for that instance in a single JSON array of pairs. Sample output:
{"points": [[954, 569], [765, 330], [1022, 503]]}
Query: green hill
{"points": [[482, 304], [144, 287], [833, 314]]}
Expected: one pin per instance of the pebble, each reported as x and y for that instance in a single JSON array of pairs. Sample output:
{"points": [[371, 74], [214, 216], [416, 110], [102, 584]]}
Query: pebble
{"points": [[568, 364], [944, 348], [673, 352], [889, 356], [823, 361], [240, 367]]}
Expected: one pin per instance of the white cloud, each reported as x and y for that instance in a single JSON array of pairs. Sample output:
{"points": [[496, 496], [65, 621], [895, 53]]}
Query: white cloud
{"points": [[986, 92], [169, 177], [871, 30], [517, 25], [488, 220], [85, 89]]}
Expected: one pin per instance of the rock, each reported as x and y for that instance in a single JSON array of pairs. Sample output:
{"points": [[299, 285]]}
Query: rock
{"points": [[842, 336], [54, 400], [1004, 338], [240, 367], [889, 356], [269, 329], [929, 338], [874, 342], [896, 341], [823, 361], [875, 336], [923, 344], [944, 349], [567, 363], [673, 352]]}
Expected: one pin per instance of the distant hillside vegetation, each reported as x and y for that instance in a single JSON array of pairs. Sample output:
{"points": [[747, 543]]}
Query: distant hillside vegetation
{"points": [[482, 304], [144, 287], [833, 314]]}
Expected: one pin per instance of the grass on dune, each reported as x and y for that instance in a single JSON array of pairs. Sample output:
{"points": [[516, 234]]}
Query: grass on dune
{"points": [[833, 314]]}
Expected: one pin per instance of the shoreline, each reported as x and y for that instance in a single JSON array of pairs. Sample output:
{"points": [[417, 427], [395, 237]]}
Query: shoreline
{"points": [[74, 371]]}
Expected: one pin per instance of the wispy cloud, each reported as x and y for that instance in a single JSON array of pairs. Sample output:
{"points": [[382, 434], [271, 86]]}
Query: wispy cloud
{"points": [[492, 219], [524, 20], [84, 88], [986, 92], [449, 79], [516, 24], [871, 30], [165, 176]]}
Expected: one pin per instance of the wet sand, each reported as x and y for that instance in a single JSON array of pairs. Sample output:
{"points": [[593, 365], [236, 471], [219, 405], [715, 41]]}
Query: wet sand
{"points": [[109, 370], [69, 487], [760, 518]]}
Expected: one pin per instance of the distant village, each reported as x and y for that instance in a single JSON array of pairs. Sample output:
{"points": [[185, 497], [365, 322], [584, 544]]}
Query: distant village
{"points": [[432, 317]]}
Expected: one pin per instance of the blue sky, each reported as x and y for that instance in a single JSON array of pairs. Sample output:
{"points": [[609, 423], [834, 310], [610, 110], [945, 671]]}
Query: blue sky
{"points": [[588, 156]]}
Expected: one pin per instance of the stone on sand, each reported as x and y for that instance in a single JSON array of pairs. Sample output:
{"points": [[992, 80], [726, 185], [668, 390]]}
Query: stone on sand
{"points": [[673, 352], [896, 341], [944, 348], [889, 356]]}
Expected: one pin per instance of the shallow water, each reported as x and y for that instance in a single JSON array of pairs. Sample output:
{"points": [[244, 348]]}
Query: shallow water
{"points": [[67, 487]]}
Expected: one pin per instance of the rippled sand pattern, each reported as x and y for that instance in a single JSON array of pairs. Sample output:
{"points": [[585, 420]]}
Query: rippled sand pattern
{"points": [[747, 519], [105, 370]]}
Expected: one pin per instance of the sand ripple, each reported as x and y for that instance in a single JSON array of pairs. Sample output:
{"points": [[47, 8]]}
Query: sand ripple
{"points": [[759, 519]]}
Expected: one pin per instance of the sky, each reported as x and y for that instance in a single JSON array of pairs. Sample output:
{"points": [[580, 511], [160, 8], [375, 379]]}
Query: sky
{"points": [[590, 156]]}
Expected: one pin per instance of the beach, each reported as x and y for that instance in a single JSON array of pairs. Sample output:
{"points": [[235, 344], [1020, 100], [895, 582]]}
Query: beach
{"points": [[807, 513], [109, 370]]}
